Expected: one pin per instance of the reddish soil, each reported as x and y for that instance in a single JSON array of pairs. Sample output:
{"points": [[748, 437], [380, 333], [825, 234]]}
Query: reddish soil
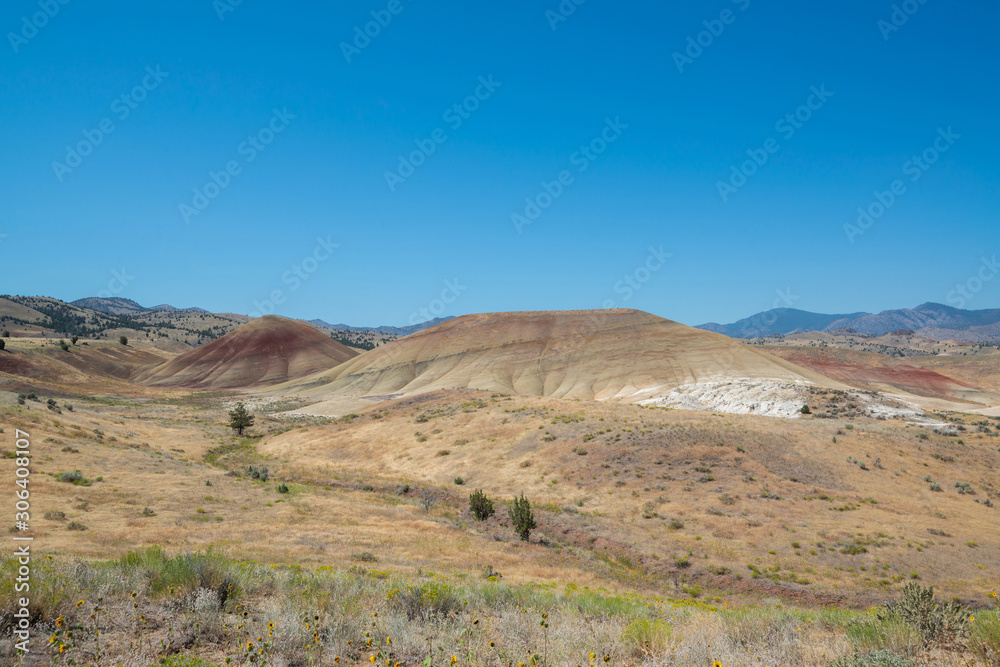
{"points": [[266, 351], [873, 371]]}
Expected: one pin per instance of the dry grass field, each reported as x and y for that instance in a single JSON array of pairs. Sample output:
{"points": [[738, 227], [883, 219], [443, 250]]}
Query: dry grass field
{"points": [[664, 537]]}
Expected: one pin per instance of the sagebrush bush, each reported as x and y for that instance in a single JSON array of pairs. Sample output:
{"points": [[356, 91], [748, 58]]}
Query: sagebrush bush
{"points": [[932, 619]]}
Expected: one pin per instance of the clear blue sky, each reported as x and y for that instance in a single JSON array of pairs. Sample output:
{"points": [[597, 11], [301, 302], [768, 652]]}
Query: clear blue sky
{"points": [[323, 175]]}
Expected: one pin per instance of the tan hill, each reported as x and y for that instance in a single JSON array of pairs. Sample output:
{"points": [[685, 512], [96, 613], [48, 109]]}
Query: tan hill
{"points": [[268, 350], [619, 354]]}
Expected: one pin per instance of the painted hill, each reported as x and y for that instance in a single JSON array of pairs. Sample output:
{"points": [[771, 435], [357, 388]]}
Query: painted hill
{"points": [[268, 350], [618, 354]]}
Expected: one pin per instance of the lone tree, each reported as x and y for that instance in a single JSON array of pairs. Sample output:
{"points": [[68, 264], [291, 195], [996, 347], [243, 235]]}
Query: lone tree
{"points": [[481, 505], [123, 340], [2, 344], [521, 517], [805, 410], [240, 419], [74, 339]]}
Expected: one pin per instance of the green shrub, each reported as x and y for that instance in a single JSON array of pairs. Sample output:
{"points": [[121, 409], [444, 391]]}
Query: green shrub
{"points": [[427, 601], [481, 505], [871, 633], [185, 573], [522, 518], [645, 637], [459, 481], [932, 619], [283, 488], [879, 658], [75, 477], [984, 638], [183, 661]]}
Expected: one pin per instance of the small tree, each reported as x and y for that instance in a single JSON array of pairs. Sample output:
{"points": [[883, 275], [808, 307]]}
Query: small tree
{"points": [[64, 345], [5, 334], [2, 344], [522, 518], [481, 506], [805, 410], [123, 340], [74, 339], [240, 419]]}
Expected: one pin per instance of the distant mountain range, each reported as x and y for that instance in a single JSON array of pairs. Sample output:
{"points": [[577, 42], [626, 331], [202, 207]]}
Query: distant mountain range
{"points": [[119, 306], [395, 331], [932, 320]]}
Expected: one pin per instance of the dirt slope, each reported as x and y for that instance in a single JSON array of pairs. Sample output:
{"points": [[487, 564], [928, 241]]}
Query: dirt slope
{"points": [[266, 351], [618, 354], [880, 372]]}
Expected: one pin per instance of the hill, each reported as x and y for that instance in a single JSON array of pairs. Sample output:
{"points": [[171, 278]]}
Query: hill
{"points": [[775, 321], [616, 354], [388, 330], [268, 350], [118, 306], [932, 320]]}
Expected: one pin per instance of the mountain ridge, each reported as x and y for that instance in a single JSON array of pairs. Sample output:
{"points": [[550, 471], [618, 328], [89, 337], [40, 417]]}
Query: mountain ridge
{"points": [[930, 319]]}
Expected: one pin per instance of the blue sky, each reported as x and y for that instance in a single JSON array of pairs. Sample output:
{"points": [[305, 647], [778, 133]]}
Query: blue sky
{"points": [[640, 137]]}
